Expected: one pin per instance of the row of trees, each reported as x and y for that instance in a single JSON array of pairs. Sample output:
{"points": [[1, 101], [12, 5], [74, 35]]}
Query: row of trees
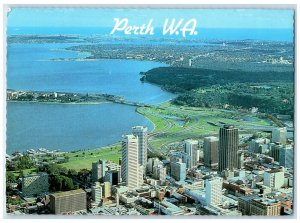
{"points": [[276, 99], [182, 79], [20, 163], [60, 178]]}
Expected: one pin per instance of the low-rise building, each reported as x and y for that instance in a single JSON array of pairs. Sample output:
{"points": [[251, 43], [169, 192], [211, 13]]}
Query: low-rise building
{"points": [[97, 193], [35, 184], [68, 201], [274, 178], [244, 204], [265, 207], [168, 208]]}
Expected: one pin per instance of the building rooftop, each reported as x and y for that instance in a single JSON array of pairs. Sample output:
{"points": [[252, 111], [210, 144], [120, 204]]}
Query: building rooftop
{"points": [[229, 127], [211, 138], [68, 193], [266, 201], [274, 171], [170, 206], [36, 174]]}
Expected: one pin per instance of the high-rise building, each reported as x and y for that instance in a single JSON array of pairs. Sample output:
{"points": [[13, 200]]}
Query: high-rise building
{"points": [[210, 151], [68, 201], [113, 176], [176, 156], [160, 172], [97, 193], [241, 159], [35, 184], [279, 135], [149, 166], [213, 191], [132, 170], [259, 145], [274, 149], [178, 171], [106, 189], [228, 148], [265, 207], [286, 156], [191, 148], [98, 170], [112, 173], [141, 133], [274, 178]]}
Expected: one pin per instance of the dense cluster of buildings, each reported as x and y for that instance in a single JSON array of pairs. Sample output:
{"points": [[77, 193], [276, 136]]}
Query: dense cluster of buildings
{"points": [[213, 176]]}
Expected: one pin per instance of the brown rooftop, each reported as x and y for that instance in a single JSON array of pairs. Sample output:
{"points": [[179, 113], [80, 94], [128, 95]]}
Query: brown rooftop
{"points": [[68, 193]]}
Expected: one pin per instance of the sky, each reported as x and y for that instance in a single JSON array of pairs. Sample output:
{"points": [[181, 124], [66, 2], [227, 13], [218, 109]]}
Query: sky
{"points": [[101, 17]]}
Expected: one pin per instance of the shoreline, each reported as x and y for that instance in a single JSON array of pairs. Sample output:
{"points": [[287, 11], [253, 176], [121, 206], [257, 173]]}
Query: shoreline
{"points": [[59, 103]]}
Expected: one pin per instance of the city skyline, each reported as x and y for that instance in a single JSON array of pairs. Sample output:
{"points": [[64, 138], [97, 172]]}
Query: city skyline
{"points": [[196, 120]]}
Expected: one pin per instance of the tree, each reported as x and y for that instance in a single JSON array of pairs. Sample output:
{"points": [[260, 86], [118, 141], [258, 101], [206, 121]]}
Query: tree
{"points": [[10, 177], [72, 172], [67, 159], [68, 183], [58, 182], [25, 162]]}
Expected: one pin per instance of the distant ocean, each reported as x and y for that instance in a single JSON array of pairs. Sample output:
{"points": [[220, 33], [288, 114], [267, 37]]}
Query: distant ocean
{"points": [[205, 34]]}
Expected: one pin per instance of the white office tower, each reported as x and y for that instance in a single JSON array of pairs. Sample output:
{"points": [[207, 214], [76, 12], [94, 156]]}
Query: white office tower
{"points": [[274, 178], [154, 163], [279, 135], [191, 149], [132, 171], [213, 191], [141, 133], [97, 193], [159, 172]]}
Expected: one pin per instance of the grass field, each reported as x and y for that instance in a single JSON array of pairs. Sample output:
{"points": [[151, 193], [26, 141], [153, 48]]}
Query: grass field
{"points": [[174, 123], [84, 159], [25, 172]]}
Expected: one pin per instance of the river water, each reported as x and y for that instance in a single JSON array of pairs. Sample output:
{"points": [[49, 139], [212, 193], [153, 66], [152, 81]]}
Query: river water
{"points": [[73, 127]]}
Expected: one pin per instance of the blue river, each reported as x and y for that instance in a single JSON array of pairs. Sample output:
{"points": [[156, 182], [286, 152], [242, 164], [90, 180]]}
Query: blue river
{"points": [[73, 127]]}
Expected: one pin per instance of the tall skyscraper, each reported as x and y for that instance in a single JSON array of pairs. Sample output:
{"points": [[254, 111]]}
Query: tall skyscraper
{"points": [[286, 156], [279, 135], [132, 170], [98, 170], [178, 171], [191, 148], [210, 150], [213, 191], [141, 133], [274, 149], [228, 148]]}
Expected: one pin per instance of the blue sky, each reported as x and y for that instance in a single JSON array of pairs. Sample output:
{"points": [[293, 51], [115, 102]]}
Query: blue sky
{"points": [[206, 18]]}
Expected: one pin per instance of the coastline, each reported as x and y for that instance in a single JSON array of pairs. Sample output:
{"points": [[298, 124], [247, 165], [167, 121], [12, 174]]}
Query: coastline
{"points": [[58, 103]]}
